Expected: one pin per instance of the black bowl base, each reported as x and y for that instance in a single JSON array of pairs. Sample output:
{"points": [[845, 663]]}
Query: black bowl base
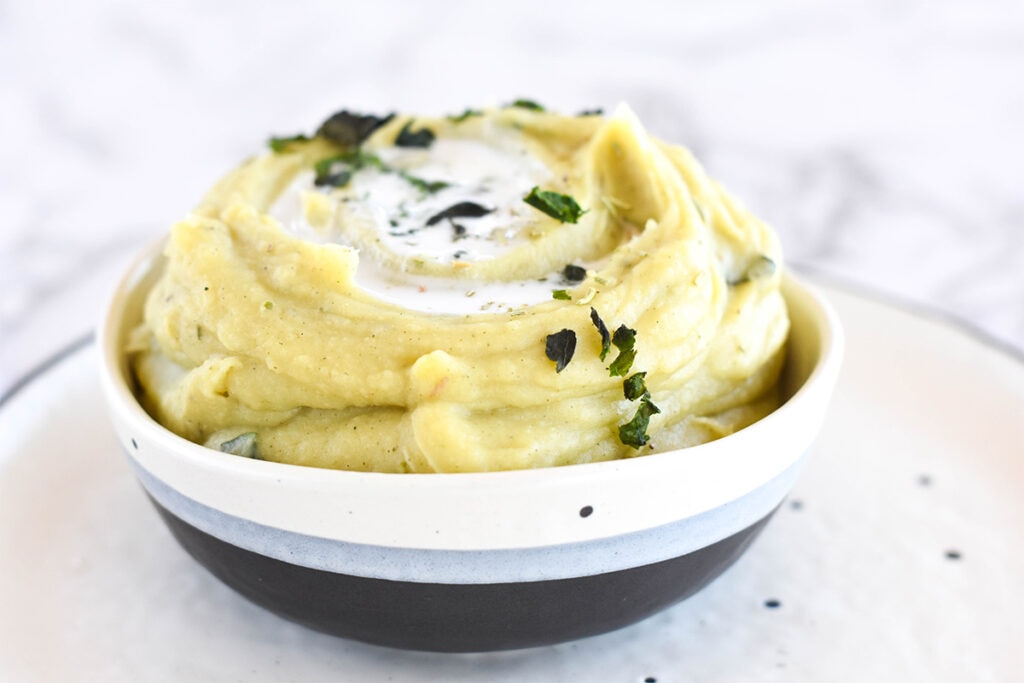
{"points": [[445, 617]]}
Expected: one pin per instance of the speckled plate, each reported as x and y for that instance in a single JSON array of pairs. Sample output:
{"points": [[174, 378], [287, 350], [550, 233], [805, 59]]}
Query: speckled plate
{"points": [[898, 557]]}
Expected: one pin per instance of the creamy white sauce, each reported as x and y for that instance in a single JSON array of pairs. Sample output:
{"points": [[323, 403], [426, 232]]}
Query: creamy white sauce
{"points": [[451, 296], [397, 213], [493, 178]]}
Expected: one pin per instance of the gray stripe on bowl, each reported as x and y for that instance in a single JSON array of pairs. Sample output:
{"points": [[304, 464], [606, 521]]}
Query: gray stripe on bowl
{"points": [[479, 566]]}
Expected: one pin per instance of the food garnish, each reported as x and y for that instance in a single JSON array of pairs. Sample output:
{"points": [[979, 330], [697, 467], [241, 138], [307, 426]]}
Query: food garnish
{"points": [[526, 104], [460, 210], [459, 118], [634, 432], [560, 348], [281, 144], [559, 206], [350, 130], [574, 274], [602, 329], [423, 137], [624, 340], [634, 387]]}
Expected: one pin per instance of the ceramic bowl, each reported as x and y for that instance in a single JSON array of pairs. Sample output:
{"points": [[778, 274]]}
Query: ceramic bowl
{"points": [[475, 562]]}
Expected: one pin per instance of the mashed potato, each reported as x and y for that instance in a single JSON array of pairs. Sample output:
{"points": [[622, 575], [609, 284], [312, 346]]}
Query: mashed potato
{"points": [[505, 289]]}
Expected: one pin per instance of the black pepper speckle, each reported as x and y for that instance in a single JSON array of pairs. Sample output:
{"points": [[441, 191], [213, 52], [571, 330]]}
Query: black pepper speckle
{"points": [[135, 445], [953, 555], [796, 505], [586, 511], [772, 603]]}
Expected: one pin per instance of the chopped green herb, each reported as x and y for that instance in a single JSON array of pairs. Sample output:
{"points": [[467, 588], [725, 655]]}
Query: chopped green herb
{"points": [[624, 340], [339, 179], [350, 130], [559, 206], [268, 305], [560, 348], [561, 295], [358, 159], [465, 115], [606, 338], [574, 274], [634, 387], [622, 363], [526, 104], [634, 432], [281, 144], [243, 445], [425, 186], [460, 210], [355, 160], [423, 137], [591, 112]]}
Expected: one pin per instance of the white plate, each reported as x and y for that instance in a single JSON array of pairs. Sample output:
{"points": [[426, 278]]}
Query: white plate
{"points": [[898, 557]]}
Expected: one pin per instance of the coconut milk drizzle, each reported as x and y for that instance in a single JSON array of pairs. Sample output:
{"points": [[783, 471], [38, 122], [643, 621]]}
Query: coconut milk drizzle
{"points": [[398, 210]]}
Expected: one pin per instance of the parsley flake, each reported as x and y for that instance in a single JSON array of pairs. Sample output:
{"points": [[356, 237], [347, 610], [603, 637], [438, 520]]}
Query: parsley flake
{"points": [[425, 186], [465, 115], [281, 144], [634, 387], [243, 445], [560, 348], [624, 340], [602, 329], [559, 206], [460, 210], [339, 179], [634, 432], [561, 295], [350, 130], [574, 274], [354, 160], [423, 137], [526, 104], [622, 363]]}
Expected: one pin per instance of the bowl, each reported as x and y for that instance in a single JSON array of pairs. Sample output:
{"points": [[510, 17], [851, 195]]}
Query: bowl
{"points": [[476, 561]]}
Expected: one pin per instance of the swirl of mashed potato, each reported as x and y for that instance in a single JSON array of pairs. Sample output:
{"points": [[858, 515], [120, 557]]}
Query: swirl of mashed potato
{"points": [[395, 295]]}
